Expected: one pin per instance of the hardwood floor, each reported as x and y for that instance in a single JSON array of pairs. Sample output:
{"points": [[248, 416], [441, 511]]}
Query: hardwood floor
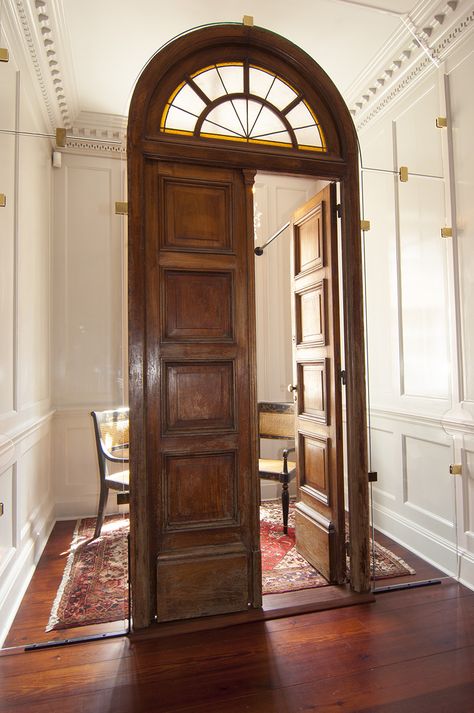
{"points": [[410, 652], [32, 617]]}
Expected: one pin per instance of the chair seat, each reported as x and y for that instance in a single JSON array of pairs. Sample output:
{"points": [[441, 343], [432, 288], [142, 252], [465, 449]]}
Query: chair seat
{"points": [[268, 468], [120, 479]]}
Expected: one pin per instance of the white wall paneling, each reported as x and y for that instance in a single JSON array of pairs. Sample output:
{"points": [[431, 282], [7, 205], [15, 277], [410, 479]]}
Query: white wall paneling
{"points": [[88, 296], [420, 293], [25, 355]]}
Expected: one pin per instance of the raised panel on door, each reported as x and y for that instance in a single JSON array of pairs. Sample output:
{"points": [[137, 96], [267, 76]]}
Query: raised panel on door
{"points": [[319, 517], [200, 400]]}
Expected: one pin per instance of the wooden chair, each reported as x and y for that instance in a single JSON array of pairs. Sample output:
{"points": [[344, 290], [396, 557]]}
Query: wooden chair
{"points": [[277, 420], [111, 437]]}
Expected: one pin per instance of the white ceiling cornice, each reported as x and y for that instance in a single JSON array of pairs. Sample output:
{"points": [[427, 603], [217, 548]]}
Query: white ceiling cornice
{"points": [[402, 63]]}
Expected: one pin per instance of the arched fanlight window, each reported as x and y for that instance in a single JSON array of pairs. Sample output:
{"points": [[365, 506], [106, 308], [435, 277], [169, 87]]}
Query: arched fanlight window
{"points": [[238, 101]]}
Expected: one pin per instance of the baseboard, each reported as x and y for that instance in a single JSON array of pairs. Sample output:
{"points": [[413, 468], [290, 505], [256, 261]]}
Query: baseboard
{"points": [[466, 568], [433, 549], [22, 569]]}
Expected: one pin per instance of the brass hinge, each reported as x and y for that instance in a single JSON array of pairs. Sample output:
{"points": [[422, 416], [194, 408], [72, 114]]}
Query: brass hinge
{"points": [[4, 54], [3, 200], [247, 20], [446, 232], [373, 476], [121, 208], [455, 469], [339, 210], [441, 122], [365, 225], [343, 377], [403, 173], [2, 509]]}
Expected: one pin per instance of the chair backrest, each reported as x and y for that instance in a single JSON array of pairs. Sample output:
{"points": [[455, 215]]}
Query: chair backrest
{"points": [[111, 429], [276, 420]]}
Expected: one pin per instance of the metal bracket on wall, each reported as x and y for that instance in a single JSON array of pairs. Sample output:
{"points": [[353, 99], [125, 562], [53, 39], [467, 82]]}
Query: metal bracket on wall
{"points": [[121, 208], [446, 232], [403, 174]]}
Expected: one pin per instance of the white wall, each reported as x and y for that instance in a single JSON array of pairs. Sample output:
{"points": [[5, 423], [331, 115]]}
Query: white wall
{"points": [[89, 346], [25, 388], [419, 313]]}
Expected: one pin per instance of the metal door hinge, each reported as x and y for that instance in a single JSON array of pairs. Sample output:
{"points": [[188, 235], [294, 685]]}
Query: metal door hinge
{"points": [[446, 232], [2, 509], [121, 208], [365, 225], [3, 200], [247, 20], [4, 54], [441, 122], [339, 210], [455, 469], [373, 476], [343, 376]]}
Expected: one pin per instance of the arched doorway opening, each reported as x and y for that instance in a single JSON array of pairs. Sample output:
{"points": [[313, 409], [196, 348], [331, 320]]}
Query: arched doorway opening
{"points": [[208, 111]]}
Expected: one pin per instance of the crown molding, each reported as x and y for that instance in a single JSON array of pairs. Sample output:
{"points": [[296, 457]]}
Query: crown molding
{"points": [[405, 62]]}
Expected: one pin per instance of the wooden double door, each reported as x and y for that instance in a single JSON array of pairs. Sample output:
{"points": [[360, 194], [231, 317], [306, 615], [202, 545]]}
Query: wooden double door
{"points": [[201, 422]]}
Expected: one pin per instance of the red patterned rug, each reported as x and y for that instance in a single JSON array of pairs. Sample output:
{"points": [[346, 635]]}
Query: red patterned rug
{"points": [[284, 570], [94, 587]]}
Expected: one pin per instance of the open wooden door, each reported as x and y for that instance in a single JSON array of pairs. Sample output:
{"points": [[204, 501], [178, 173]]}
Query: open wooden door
{"points": [[201, 408], [320, 536]]}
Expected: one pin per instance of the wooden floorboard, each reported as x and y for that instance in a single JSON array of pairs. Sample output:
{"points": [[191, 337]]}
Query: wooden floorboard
{"points": [[410, 651]]}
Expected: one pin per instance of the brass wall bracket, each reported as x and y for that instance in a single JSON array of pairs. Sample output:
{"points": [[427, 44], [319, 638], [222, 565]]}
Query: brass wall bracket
{"points": [[61, 138], [446, 232], [3, 200], [4, 54], [455, 469], [365, 225], [441, 122], [247, 20], [121, 208], [403, 173]]}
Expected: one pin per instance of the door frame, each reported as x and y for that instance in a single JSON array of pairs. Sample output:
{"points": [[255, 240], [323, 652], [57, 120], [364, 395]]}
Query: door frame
{"points": [[339, 163]]}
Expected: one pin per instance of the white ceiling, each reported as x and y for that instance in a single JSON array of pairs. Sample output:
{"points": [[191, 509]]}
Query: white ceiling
{"points": [[106, 43]]}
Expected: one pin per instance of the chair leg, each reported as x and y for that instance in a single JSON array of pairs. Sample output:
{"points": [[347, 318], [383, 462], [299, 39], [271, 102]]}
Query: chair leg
{"points": [[285, 505], [104, 491]]}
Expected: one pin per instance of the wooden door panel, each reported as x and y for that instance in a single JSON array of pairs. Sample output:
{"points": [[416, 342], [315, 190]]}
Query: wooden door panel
{"points": [[215, 584], [196, 215], [200, 396], [320, 535], [312, 380], [311, 315], [200, 489], [197, 305]]}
